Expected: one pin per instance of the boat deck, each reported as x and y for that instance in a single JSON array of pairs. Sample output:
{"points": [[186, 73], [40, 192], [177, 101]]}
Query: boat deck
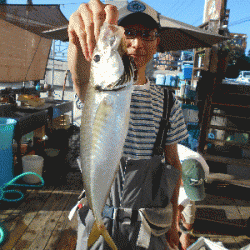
{"points": [[40, 220]]}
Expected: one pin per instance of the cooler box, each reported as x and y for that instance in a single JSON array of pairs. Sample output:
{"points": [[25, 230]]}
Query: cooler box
{"points": [[170, 81], [187, 71]]}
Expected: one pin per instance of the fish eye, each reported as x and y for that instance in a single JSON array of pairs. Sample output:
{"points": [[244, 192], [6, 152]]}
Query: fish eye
{"points": [[97, 58]]}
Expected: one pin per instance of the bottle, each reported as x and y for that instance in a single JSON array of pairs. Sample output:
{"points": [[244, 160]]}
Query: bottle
{"points": [[38, 86]]}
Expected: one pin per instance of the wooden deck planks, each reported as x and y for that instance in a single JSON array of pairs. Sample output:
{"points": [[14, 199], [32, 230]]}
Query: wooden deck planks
{"points": [[43, 223], [222, 217], [65, 232], [19, 219], [40, 221], [218, 232]]}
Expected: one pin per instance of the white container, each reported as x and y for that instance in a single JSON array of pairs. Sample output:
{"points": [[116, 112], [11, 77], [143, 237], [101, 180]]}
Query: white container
{"points": [[32, 163], [203, 243], [160, 79]]}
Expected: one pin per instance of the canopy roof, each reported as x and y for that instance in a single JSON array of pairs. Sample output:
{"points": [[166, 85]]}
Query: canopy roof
{"points": [[23, 54], [24, 48], [27, 30], [48, 21], [176, 35], [36, 18]]}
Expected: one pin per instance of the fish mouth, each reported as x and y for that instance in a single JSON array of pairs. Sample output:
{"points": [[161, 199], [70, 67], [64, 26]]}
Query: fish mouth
{"points": [[128, 78]]}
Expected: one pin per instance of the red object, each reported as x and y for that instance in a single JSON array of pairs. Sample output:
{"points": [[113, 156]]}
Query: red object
{"points": [[80, 206], [32, 152]]}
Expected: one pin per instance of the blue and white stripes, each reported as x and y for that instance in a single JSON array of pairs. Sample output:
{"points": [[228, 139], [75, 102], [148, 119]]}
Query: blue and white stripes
{"points": [[145, 115]]}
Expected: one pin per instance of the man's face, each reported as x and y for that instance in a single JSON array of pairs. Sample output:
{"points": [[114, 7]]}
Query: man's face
{"points": [[141, 50]]}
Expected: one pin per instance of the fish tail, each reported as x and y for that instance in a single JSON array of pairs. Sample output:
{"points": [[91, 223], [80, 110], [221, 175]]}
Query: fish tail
{"points": [[95, 234]]}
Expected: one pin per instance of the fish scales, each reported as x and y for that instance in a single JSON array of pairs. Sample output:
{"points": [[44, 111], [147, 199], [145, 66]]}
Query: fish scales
{"points": [[105, 120], [104, 132]]}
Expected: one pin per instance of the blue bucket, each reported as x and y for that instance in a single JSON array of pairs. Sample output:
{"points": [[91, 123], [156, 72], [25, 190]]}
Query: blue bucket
{"points": [[7, 127]]}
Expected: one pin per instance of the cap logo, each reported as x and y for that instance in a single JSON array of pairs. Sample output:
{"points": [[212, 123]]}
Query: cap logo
{"points": [[194, 182], [135, 6]]}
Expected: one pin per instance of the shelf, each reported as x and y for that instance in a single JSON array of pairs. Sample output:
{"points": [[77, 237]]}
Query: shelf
{"points": [[230, 116], [197, 78], [232, 89], [230, 105], [199, 68], [228, 128], [227, 160], [200, 51], [229, 143]]}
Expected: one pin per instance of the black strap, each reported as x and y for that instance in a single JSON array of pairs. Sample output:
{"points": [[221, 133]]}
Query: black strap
{"points": [[164, 123]]}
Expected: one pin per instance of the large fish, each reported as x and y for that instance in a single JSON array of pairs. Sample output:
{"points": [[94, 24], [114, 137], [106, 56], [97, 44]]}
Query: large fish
{"points": [[105, 120]]}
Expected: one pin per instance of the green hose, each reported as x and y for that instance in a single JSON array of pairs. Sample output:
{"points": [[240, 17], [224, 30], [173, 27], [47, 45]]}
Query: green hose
{"points": [[3, 192], [3, 234]]}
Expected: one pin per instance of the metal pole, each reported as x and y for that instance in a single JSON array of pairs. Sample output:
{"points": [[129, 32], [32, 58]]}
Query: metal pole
{"points": [[53, 64], [204, 11]]}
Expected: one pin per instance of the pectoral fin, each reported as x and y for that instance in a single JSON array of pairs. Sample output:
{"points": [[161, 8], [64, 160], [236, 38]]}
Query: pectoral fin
{"points": [[95, 234]]}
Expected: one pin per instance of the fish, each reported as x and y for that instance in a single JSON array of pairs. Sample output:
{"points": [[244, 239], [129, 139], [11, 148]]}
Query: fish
{"points": [[105, 121]]}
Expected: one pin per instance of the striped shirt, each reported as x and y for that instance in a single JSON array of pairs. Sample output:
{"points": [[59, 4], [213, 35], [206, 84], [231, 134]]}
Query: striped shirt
{"points": [[145, 115], [146, 111]]}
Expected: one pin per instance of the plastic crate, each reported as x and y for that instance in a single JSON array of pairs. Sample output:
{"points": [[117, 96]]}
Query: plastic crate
{"points": [[191, 113]]}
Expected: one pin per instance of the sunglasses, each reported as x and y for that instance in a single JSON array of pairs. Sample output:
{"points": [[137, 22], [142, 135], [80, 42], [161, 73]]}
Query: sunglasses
{"points": [[147, 35]]}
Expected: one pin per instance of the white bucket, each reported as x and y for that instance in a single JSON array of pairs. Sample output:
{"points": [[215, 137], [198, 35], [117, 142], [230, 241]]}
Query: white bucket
{"points": [[32, 163]]}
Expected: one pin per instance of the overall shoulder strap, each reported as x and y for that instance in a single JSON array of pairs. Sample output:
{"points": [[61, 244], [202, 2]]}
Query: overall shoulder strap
{"points": [[169, 108], [164, 124]]}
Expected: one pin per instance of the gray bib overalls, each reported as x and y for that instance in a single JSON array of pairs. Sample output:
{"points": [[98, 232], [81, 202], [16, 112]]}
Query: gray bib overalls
{"points": [[139, 184]]}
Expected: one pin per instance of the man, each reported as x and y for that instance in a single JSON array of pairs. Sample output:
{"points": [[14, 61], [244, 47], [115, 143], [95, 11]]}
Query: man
{"points": [[145, 228]]}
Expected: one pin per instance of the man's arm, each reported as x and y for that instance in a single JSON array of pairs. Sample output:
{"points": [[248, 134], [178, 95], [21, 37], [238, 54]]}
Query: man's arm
{"points": [[172, 157]]}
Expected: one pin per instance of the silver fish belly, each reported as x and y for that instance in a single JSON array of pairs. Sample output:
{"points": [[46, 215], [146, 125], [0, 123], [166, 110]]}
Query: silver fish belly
{"points": [[104, 125]]}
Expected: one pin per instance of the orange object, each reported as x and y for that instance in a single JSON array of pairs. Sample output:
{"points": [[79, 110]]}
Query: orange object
{"points": [[32, 152], [24, 148]]}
